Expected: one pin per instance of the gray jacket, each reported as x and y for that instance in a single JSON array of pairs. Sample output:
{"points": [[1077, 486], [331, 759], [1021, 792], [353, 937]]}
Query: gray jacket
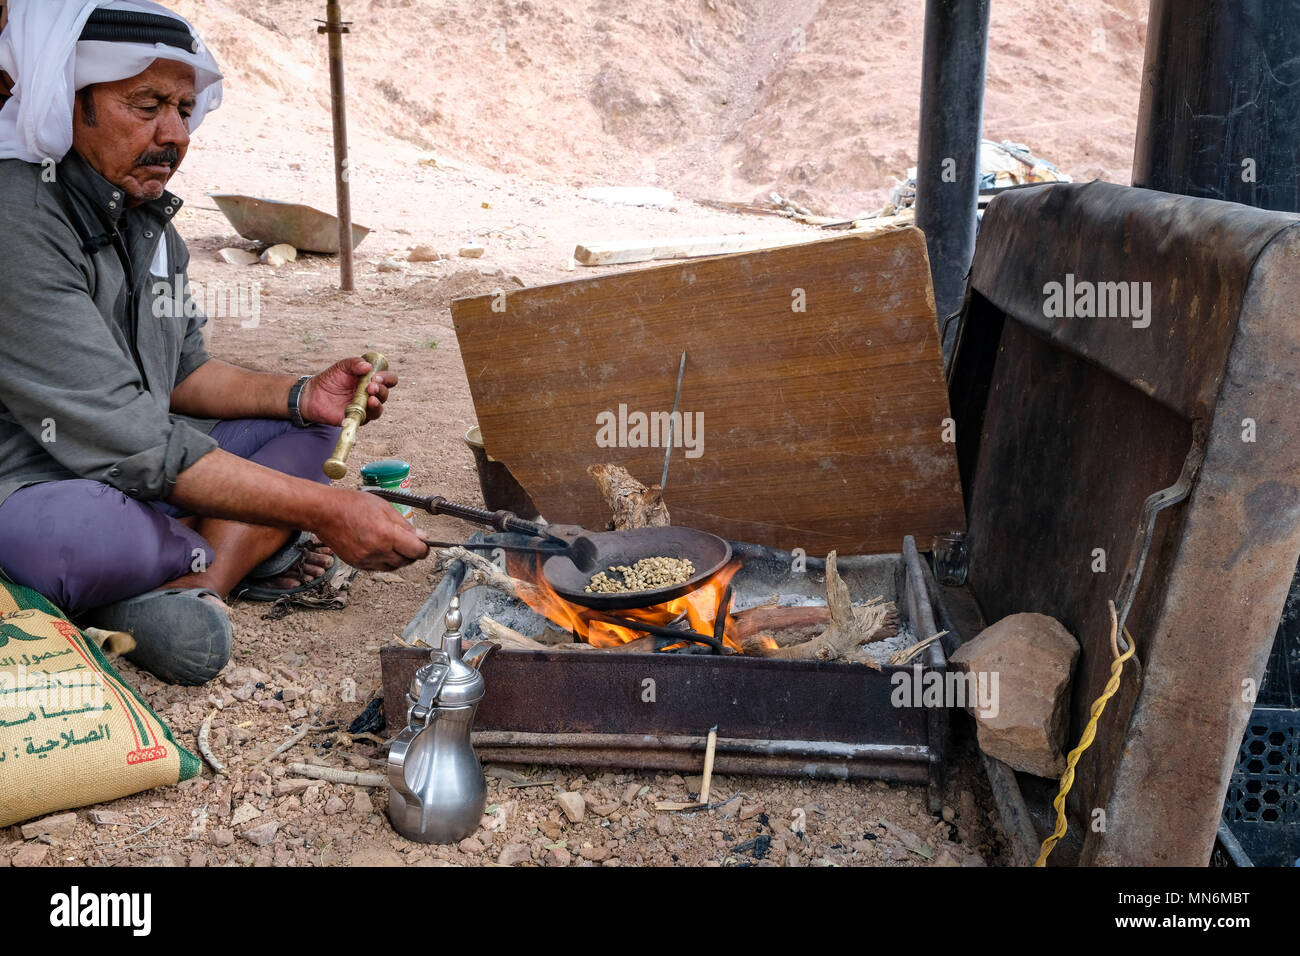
{"points": [[89, 354]]}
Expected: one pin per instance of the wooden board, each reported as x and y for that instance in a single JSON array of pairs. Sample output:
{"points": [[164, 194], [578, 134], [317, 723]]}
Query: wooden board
{"points": [[822, 428]]}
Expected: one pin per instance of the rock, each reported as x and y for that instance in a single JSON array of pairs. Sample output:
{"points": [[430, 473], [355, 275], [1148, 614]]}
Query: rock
{"points": [[244, 813], [362, 804], [973, 859], [425, 254], [291, 693], [280, 254], [595, 854], [551, 830], [237, 257], [664, 824], [946, 859], [263, 834], [695, 783], [906, 837], [109, 818], [948, 814], [376, 856], [389, 265], [221, 837], [471, 846], [750, 810], [294, 785], [471, 250], [1022, 667], [29, 854], [334, 805], [504, 773], [245, 675], [558, 856], [514, 853], [58, 827], [573, 804], [730, 808], [630, 792]]}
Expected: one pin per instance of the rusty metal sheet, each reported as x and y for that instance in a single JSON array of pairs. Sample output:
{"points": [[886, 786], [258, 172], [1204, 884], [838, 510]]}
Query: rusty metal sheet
{"points": [[574, 692], [1227, 584], [1196, 260], [1066, 425]]}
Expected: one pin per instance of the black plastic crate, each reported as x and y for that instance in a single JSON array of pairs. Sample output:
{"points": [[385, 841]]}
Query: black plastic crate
{"points": [[1263, 801]]}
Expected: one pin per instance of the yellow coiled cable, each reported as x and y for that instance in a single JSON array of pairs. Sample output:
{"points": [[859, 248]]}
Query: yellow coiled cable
{"points": [[1089, 732]]}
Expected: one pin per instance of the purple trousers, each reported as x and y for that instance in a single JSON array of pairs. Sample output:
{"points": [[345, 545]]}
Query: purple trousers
{"points": [[84, 544]]}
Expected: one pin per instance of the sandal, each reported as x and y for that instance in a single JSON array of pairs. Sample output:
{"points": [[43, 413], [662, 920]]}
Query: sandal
{"points": [[283, 561], [180, 636]]}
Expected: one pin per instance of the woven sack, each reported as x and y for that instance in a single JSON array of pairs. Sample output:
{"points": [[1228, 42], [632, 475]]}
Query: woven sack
{"points": [[71, 732]]}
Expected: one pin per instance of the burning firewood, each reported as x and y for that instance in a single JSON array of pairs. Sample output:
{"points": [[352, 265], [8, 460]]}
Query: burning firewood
{"points": [[508, 637], [778, 620], [849, 628], [632, 504]]}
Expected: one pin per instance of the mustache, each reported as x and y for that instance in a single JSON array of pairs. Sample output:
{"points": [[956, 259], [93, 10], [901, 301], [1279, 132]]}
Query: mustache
{"points": [[167, 156]]}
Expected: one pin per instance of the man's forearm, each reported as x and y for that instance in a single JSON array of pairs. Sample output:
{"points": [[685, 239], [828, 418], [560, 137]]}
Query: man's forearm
{"points": [[218, 389], [364, 531], [222, 485]]}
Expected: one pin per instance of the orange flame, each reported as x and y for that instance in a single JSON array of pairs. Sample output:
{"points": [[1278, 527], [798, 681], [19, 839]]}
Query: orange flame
{"points": [[700, 607]]}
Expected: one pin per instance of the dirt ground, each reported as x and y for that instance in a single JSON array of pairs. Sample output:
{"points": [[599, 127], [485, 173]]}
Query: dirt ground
{"points": [[485, 130]]}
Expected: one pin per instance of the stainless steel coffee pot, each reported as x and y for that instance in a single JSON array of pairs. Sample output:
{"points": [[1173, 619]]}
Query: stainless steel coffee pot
{"points": [[437, 790]]}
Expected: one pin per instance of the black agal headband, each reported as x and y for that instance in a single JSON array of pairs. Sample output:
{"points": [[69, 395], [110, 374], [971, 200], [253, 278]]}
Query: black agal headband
{"points": [[128, 26]]}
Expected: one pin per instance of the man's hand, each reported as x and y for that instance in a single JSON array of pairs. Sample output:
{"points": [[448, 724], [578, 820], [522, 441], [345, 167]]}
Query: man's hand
{"points": [[368, 533], [326, 396], [365, 531]]}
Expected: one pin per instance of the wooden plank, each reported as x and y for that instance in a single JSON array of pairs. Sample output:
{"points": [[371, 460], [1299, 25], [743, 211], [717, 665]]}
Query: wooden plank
{"points": [[813, 391], [624, 251]]}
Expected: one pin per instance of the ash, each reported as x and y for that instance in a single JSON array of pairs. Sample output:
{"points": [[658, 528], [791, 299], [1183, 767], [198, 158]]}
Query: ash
{"points": [[881, 650], [501, 608]]}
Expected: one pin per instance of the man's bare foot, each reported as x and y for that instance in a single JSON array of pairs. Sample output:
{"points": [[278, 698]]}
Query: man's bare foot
{"points": [[316, 561]]}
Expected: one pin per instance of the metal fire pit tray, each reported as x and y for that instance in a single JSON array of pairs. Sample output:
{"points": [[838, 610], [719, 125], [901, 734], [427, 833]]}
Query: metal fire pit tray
{"points": [[653, 711]]}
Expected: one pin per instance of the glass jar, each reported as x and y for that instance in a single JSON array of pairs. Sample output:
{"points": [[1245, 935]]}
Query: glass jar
{"points": [[951, 558]]}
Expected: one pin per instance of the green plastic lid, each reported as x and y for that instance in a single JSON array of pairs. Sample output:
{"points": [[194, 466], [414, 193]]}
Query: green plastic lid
{"points": [[386, 470]]}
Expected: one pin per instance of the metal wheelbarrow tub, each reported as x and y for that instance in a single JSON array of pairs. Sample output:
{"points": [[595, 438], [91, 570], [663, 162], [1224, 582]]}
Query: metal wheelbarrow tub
{"points": [[273, 221]]}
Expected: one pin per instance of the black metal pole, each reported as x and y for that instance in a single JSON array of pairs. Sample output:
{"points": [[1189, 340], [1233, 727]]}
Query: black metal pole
{"points": [[947, 168], [1219, 115]]}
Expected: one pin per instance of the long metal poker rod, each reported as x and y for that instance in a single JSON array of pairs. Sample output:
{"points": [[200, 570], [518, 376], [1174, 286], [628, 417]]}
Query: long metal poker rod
{"points": [[672, 420]]}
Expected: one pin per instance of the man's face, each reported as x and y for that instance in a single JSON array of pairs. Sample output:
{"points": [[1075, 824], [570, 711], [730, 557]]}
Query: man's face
{"points": [[135, 132]]}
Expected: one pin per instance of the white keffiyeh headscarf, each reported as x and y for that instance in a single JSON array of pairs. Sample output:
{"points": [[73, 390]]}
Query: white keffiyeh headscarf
{"points": [[43, 54]]}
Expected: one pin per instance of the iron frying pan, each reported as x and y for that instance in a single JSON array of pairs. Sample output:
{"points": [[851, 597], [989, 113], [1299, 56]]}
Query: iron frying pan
{"points": [[575, 554]]}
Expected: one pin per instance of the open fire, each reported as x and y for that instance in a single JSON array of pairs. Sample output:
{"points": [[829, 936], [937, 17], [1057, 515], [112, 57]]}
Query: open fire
{"points": [[697, 611], [784, 714]]}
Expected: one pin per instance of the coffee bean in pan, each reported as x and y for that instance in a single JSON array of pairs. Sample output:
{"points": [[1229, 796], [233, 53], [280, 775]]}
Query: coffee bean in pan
{"points": [[648, 574]]}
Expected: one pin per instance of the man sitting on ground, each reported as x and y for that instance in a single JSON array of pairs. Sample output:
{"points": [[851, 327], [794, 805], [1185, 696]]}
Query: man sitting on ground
{"points": [[141, 481]]}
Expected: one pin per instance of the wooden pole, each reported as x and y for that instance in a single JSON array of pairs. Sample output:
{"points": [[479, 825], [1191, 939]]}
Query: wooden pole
{"points": [[335, 27]]}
